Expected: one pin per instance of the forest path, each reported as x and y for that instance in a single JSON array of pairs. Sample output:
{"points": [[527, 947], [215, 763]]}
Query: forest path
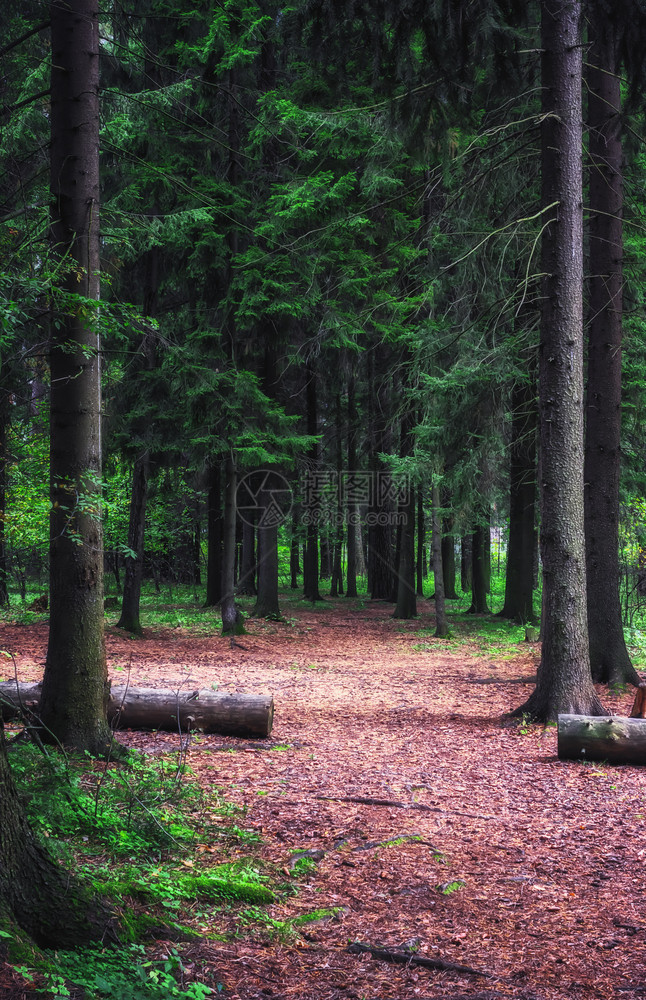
{"points": [[518, 865]]}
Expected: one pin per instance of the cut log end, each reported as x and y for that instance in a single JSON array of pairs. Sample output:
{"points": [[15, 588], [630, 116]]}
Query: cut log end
{"points": [[614, 738]]}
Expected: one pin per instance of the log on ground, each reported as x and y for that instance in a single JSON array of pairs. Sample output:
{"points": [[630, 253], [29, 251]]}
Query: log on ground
{"points": [[149, 708], [613, 738]]}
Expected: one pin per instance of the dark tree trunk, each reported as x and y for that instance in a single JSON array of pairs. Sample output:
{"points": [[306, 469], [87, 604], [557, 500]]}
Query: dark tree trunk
{"points": [[41, 897], [336, 585], [486, 560], [4, 421], [131, 599], [351, 508], [312, 500], [267, 605], [406, 606], [478, 571], [326, 561], [247, 579], [519, 580], [197, 554], [441, 624], [294, 557], [75, 684], [466, 564], [609, 659], [564, 682], [214, 538], [406, 599], [382, 555], [448, 558], [230, 615], [421, 529], [129, 619]]}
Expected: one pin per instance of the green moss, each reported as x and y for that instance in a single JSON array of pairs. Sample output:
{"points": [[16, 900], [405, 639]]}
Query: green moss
{"points": [[174, 886]]}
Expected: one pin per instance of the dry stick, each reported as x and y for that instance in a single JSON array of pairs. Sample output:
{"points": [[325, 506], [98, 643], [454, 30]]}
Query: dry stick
{"points": [[398, 805], [405, 958]]}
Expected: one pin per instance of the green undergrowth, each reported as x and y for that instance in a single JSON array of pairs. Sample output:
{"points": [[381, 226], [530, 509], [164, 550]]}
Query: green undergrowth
{"points": [[115, 974], [145, 836], [491, 637]]}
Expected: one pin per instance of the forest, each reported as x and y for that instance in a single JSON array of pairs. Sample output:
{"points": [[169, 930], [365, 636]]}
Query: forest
{"points": [[322, 499]]}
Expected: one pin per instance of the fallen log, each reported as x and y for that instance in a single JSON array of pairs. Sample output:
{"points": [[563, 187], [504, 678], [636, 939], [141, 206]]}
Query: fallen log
{"points": [[149, 708], [613, 738]]}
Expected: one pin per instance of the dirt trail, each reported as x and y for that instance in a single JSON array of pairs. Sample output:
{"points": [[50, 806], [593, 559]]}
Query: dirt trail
{"points": [[525, 868]]}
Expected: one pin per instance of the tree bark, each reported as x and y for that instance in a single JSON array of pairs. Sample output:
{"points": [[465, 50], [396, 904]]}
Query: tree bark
{"points": [[448, 558], [351, 506], [441, 623], [406, 606], [247, 579], [609, 738], [312, 504], [41, 897], [564, 682], [421, 531], [214, 538], [466, 563], [230, 614], [148, 708], [131, 597], [75, 684], [294, 558], [519, 580], [4, 565], [267, 604], [479, 576], [406, 602], [609, 658]]}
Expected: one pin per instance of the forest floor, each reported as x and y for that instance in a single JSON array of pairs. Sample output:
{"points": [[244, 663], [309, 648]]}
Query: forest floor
{"points": [[479, 847]]}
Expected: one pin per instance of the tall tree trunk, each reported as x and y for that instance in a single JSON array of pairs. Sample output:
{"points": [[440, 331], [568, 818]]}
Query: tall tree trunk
{"points": [[466, 563], [382, 555], [478, 570], [130, 602], [336, 585], [214, 537], [406, 599], [247, 578], [267, 604], [441, 624], [609, 659], [406, 606], [325, 571], [519, 580], [294, 558], [4, 422], [351, 505], [75, 684], [312, 504], [564, 682], [230, 616], [448, 553], [421, 529]]}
